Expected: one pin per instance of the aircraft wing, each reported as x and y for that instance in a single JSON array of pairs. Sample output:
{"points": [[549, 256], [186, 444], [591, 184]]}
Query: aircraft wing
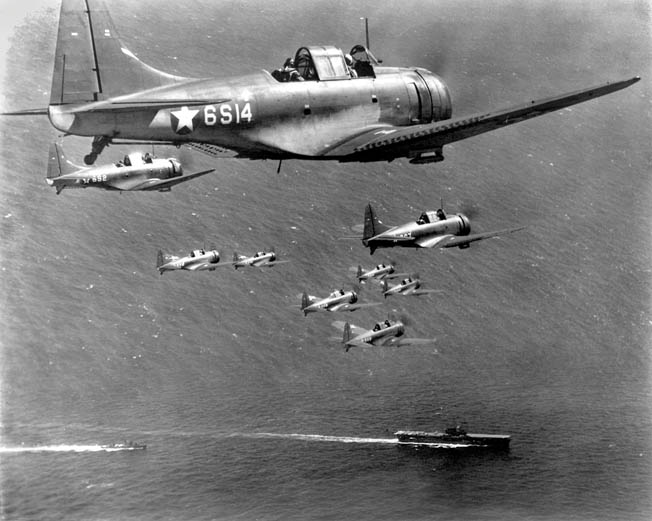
{"points": [[453, 241], [354, 307], [419, 292], [162, 184], [400, 342], [394, 141]]}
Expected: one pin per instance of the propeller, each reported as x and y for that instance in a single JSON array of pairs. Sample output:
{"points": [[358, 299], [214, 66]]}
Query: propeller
{"points": [[357, 228], [471, 210], [393, 316]]}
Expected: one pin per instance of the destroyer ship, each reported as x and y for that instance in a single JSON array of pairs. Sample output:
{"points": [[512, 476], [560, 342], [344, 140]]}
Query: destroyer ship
{"points": [[454, 436]]}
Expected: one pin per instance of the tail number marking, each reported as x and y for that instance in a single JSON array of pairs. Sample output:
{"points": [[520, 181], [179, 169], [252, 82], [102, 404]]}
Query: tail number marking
{"points": [[228, 114]]}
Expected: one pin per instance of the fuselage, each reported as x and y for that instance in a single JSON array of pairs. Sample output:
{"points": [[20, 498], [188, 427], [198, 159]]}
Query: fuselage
{"points": [[259, 116], [405, 286], [379, 272], [331, 303], [379, 334], [260, 258], [197, 260]]}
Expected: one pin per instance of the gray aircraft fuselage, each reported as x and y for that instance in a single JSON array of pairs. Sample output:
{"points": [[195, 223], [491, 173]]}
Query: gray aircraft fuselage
{"points": [[258, 116]]}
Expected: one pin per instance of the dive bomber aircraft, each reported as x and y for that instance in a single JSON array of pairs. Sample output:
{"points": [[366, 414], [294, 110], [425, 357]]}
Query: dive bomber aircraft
{"points": [[408, 286], [333, 110], [380, 272], [260, 259], [135, 172], [338, 300], [197, 260], [431, 229], [383, 333]]}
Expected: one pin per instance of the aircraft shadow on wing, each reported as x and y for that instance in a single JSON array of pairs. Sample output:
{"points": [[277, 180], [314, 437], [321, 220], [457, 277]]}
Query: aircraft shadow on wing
{"points": [[135, 172], [368, 112], [430, 230]]}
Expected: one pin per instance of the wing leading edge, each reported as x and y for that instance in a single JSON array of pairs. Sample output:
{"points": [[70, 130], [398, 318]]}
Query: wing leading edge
{"points": [[397, 141]]}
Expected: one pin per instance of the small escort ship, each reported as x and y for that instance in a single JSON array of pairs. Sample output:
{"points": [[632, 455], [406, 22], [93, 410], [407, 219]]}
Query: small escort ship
{"points": [[454, 436]]}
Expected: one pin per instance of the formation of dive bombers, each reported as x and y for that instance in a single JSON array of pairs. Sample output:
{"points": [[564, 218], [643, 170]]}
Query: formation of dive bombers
{"points": [[323, 105]]}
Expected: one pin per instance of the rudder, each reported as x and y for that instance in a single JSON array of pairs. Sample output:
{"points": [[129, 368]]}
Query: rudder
{"points": [[372, 225], [90, 62], [58, 165]]}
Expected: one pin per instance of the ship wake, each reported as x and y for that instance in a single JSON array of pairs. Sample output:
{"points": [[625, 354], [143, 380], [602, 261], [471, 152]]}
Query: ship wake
{"points": [[62, 448]]}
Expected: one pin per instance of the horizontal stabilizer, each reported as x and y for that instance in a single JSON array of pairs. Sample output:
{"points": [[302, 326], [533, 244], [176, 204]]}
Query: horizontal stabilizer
{"points": [[26, 112]]}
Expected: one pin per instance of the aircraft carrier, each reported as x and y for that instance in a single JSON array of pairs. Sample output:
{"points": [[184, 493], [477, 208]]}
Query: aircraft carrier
{"points": [[454, 436]]}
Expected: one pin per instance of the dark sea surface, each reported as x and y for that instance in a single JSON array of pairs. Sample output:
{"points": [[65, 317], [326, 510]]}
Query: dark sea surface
{"points": [[251, 411]]}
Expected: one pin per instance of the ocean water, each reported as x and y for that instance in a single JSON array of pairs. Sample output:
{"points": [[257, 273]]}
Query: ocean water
{"points": [[251, 411]]}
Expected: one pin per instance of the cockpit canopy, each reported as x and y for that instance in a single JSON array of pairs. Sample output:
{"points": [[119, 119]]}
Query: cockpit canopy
{"points": [[135, 159], [321, 63], [431, 217]]}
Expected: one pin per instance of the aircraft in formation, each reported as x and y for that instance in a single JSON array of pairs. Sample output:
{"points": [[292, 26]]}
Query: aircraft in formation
{"points": [[344, 107], [431, 229], [338, 300], [135, 172], [197, 260], [383, 333], [260, 259], [380, 272], [325, 105], [408, 286]]}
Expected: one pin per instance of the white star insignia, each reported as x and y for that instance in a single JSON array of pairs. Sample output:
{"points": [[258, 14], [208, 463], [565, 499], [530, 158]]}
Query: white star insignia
{"points": [[184, 116]]}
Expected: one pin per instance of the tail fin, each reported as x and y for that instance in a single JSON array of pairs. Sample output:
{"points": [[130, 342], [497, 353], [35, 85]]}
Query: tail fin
{"points": [[359, 272], [372, 225], [305, 302], [347, 336], [236, 258], [58, 165], [385, 287], [91, 63], [160, 260]]}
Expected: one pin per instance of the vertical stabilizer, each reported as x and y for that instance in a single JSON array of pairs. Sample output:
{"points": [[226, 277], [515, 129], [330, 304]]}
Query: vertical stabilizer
{"points": [[58, 165], [305, 302], [372, 225], [160, 260], [90, 62], [347, 336]]}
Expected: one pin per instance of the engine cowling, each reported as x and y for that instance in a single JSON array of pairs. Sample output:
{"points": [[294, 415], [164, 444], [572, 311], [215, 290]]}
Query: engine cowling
{"points": [[177, 169], [464, 224]]}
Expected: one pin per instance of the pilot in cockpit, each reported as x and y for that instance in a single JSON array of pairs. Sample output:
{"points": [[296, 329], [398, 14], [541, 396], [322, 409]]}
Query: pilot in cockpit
{"points": [[441, 215], [287, 73], [423, 218]]}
